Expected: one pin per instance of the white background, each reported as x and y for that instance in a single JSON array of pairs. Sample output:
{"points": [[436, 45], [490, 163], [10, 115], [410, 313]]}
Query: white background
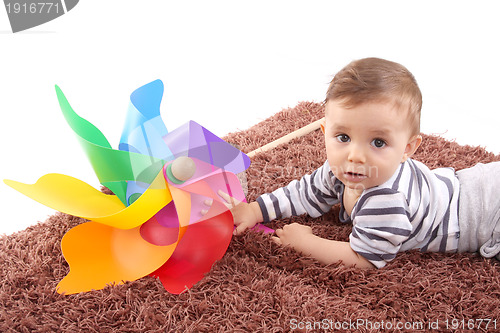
{"points": [[228, 65]]}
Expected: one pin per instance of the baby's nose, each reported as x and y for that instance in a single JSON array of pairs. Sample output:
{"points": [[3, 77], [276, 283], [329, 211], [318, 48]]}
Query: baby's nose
{"points": [[356, 154]]}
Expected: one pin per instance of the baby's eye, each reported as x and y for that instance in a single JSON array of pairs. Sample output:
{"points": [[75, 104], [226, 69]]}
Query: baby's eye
{"points": [[343, 138], [378, 143]]}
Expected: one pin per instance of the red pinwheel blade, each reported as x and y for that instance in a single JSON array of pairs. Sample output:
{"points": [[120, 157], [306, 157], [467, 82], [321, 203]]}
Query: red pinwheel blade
{"points": [[203, 243]]}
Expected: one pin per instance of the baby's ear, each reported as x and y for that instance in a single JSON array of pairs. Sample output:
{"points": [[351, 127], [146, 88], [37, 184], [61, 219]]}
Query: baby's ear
{"points": [[411, 147]]}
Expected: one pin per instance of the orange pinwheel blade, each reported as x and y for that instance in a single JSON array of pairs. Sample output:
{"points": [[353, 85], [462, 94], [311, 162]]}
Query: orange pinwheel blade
{"points": [[99, 255]]}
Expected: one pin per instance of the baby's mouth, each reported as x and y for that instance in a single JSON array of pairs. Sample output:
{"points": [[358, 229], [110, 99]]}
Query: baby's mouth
{"points": [[354, 176]]}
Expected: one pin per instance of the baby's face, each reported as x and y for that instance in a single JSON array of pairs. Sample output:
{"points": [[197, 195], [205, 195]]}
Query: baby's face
{"points": [[365, 144]]}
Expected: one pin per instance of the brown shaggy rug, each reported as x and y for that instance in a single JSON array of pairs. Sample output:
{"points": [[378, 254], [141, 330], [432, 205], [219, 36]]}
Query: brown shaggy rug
{"points": [[258, 286]]}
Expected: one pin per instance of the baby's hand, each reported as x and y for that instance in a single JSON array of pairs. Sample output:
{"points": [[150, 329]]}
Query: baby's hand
{"points": [[245, 215], [292, 235]]}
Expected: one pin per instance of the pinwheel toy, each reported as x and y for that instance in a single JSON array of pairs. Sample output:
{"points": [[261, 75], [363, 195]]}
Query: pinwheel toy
{"points": [[154, 224]]}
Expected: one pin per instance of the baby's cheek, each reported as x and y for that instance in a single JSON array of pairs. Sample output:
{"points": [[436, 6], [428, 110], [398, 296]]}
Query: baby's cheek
{"points": [[385, 171]]}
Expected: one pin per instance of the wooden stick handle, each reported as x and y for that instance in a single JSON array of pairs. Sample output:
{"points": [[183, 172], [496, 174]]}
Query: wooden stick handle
{"points": [[287, 138]]}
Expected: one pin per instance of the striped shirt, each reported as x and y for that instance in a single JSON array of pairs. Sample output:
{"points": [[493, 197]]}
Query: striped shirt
{"points": [[417, 208]]}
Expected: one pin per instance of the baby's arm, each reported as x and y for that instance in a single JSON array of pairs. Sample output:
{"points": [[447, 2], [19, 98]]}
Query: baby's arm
{"points": [[300, 238], [297, 236]]}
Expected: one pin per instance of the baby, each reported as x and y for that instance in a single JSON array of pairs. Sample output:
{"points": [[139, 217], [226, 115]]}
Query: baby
{"points": [[371, 129]]}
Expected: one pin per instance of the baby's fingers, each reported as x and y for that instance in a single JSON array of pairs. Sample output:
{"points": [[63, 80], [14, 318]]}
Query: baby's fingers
{"points": [[230, 201], [277, 240], [240, 228]]}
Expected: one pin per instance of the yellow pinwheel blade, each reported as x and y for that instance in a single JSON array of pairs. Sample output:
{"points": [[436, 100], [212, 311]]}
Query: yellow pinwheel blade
{"points": [[99, 255], [75, 197]]}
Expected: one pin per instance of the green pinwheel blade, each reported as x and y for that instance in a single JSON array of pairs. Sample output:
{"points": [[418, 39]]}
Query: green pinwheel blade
{"points": [[113, 167]]}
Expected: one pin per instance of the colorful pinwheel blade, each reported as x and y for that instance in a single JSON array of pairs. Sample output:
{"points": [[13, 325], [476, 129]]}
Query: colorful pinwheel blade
{"points": [[193, 140], [144, 129], [99, 255], [201, 246], [143, 133], [203, 238], [112, 167], [163, 228], [72, 196]]}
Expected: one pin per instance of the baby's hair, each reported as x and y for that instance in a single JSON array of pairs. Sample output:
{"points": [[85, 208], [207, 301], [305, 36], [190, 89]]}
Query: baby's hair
{"points": [[377, 80]]}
